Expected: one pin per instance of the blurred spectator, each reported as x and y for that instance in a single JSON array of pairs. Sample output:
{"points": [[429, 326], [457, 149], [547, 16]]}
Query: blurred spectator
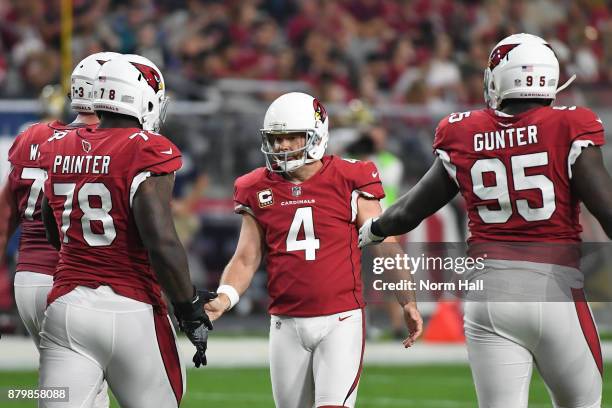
{"points": [[149, 44], [372, 145], [402, 56], [443, 73], [53, 104], [38, 70], [304, 20], [584, 63], [472, 85]]}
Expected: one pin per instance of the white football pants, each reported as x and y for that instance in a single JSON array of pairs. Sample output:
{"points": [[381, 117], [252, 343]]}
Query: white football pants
{"points": [[31, 290], [92, 334], [316, 361], [505, 339]]}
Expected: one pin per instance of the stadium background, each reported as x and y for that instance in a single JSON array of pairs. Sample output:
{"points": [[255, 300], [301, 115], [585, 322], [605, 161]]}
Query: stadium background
{"points": [[387, 71]]}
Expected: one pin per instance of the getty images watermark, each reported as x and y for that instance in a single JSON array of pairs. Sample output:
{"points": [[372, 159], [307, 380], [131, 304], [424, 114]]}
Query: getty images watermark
{"points": [[488, 271], [402, 264]]}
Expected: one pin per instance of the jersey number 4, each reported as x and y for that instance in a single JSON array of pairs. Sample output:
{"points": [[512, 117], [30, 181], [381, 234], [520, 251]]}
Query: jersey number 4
{"points": [[310, 243], [501, 192]]}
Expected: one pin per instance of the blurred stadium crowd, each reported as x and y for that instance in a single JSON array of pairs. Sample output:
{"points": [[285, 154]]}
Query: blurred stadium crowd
{"points": [[386, 70], [407, 51]]}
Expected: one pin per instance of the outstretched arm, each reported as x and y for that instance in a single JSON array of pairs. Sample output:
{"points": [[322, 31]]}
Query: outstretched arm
{"points": [[593, 184], [430, 194], [367, 209], [240, 270], [153, 218]]}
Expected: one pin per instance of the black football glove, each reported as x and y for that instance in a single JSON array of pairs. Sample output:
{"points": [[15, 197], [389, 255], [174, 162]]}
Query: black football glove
{"points": [[194, 322]]}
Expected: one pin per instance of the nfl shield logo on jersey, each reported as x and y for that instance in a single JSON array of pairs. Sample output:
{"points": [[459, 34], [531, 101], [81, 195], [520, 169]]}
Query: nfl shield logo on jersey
{"points": [[86, 146], [296, 191]]}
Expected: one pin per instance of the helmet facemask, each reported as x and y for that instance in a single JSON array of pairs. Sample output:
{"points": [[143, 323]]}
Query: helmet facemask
{"points": [[163, 108], [154, 118], [288, 161], [489, 90]]}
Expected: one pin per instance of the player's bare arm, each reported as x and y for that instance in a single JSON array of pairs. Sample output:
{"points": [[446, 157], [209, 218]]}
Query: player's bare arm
{"points": [[593, 185], [240, 270], [9, 219], [154, 221], [430, 194], [368, 209], [50, 226]]}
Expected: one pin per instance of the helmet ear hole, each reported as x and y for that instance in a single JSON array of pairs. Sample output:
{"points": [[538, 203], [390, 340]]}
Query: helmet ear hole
{"points": [[150, 106], [139, 77]]}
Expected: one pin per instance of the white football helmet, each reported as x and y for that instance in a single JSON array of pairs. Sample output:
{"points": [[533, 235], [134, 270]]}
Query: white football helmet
{"points": [[521, 66], [82, 79], [132, 85], [295, 112]]}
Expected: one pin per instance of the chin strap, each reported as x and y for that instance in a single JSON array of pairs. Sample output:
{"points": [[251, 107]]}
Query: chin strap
{"points": [[567, 83]]}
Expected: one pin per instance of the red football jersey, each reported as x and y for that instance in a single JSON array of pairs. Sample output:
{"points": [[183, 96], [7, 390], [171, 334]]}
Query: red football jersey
{"points": [[26, 182], [92, 176], [313, 261], [514, 172]]}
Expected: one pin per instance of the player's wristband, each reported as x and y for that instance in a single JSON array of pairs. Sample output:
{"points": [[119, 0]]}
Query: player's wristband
{"points": [[231, 293]]}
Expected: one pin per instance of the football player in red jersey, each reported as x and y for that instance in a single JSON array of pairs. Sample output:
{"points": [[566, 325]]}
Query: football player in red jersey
{"points": [[109, 190], [522, 167], [21, 198], [303, 209]]}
